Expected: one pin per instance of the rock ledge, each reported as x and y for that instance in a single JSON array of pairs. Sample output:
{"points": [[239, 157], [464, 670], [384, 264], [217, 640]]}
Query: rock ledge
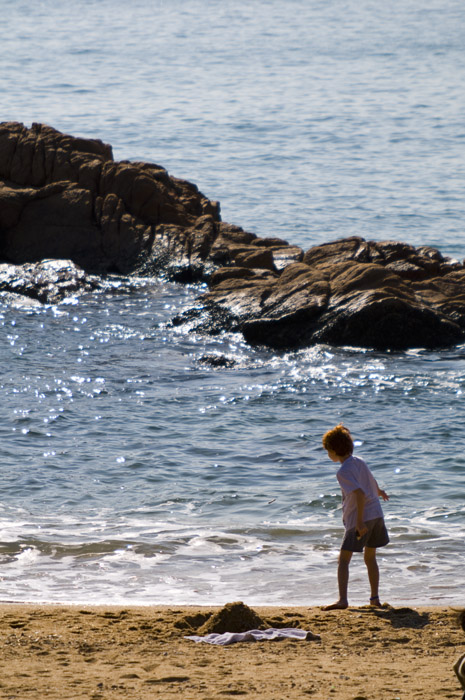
{"points": [[65, 198]]}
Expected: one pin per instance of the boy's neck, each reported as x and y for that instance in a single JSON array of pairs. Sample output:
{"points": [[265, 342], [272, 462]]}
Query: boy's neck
{"points": [[343, 459]]}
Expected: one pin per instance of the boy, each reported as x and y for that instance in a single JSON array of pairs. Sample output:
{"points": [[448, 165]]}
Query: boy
{"points": [[362, 514]]}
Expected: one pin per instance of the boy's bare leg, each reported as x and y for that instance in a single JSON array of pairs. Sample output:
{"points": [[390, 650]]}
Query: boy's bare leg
{"points": [[343, 581], [373, 574]]}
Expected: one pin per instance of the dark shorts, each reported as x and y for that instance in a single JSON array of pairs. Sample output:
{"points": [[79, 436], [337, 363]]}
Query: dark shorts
{"points": [[377, 536]]}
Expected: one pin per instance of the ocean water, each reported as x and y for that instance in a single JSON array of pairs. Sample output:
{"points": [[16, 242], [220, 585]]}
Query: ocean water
{"points": [[133, 472]]}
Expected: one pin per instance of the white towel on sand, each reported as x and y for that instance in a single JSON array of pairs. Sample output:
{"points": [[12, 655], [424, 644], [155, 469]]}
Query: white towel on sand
{"points": [[271, 634]]}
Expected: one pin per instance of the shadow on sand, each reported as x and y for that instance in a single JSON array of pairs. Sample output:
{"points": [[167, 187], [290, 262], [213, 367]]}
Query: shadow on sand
{"points": [[402, 617]]}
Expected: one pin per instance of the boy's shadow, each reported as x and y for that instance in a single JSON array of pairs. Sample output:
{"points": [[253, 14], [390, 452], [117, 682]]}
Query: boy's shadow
{"points": [[402, 617]]}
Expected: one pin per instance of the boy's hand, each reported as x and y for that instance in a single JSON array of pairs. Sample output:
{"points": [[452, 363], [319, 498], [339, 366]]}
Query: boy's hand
{"points": [[361, 530], [383, 495]]}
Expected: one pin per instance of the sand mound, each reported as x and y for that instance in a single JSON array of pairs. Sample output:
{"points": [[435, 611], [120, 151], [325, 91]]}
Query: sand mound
{"points": [[234, 617]]}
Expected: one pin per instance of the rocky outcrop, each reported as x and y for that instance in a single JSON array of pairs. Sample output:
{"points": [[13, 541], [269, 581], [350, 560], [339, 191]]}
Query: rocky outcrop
{"points": [[52, 281], [66, 198], [48, 281], [383, 295]]}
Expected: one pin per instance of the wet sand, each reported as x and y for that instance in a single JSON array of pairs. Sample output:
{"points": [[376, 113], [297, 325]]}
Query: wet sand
{"points": [[59, 652]]}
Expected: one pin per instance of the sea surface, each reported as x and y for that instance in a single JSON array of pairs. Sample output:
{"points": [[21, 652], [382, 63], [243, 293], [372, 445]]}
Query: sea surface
{"points": [[132, 472]]}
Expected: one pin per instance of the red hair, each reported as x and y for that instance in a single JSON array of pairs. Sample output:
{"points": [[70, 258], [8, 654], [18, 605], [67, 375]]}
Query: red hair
{"points": [[338, 440]]}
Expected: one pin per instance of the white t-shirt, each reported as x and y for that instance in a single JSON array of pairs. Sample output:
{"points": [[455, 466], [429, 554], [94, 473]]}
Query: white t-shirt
{"points": [[354, 474]]}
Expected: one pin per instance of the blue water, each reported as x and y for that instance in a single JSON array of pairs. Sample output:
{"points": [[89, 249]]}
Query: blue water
{"points": [[132, 472]]}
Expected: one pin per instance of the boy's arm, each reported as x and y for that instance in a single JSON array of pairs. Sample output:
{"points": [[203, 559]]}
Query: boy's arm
{"points": [[360, 499], [382, 494]]}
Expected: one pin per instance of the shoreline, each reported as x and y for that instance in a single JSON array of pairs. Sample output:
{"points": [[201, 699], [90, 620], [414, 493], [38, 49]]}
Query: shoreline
{"points": [[77, 651], [400, 605]]}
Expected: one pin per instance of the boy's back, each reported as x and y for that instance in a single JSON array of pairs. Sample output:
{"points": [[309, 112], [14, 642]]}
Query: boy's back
{"points": [[354, 474]]}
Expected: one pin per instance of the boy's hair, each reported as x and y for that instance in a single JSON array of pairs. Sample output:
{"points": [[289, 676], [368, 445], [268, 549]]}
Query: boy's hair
{"points": [[338, 440]]}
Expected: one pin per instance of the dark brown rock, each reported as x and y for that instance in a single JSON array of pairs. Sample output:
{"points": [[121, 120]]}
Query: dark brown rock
{"points": [[282, 257], [261, 259], [338, 251], [63, 197], [48, 281], [349, 292], [54, 221], [228, 273]]}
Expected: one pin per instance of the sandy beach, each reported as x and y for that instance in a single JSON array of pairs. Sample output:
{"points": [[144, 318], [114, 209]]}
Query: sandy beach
{"points": [[58, 651]]}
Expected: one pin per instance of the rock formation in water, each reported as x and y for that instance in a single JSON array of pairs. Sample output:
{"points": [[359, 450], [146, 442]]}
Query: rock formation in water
{"points": [[383, 295], [47, 281], [51, 281], [66, 198]]}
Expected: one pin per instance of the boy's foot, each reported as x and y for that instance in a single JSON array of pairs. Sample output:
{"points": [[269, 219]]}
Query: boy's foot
{"points": [[375, 602], [340, 605]]}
